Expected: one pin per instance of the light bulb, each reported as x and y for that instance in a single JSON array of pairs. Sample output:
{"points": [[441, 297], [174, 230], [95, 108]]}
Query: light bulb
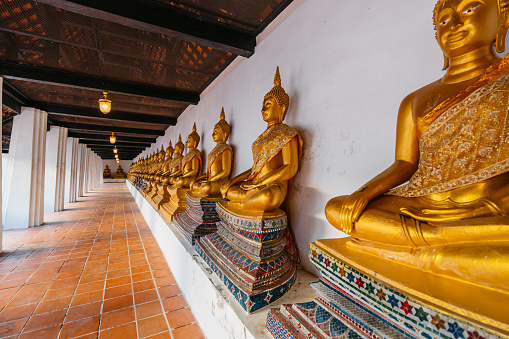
{"points": [[105, 103], [115, 150], [113, 138]]}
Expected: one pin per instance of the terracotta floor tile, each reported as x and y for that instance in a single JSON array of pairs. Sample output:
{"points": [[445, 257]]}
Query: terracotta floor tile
{"points": [[118, 291], [143, 286], [45, 320], [191, 331], [65, 282], [8, 292], [142, 276], [90, 287], [118, 273], [118, 281], [169, 291], [127, 331], [87, 278], [118, 303], [119, 266], [149, 309], [59, 293], [87, 298], [151, 326], [53, 305], [48, 332], [17, 312], [12, 327], [83, 311], [145, 296], [174, 303], [4, 301], [117, 318], [165, 281], [80, 327], [180, 317]]}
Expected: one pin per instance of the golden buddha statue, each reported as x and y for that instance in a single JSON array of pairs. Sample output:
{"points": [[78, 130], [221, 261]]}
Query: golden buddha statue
{"points": [[190, 168], [120, 173], [154, 170], [167, 156], [171, 170], [191, 163], [276, 153], [452, 217], [219, 162], [107, 172]]}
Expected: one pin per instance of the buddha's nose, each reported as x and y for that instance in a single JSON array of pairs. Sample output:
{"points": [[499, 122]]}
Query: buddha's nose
{"points": [[456, 21]]}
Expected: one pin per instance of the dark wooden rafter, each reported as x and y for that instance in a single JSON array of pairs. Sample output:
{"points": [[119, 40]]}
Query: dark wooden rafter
{"points": [[12, 98], [79, 111], [106, 137], [123, 143], [13, 70], [92, 127], [160, 18]]}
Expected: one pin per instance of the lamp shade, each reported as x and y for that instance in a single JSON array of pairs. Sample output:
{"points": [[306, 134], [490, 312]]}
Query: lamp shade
{"points": [[113, 138], [105, 103]]}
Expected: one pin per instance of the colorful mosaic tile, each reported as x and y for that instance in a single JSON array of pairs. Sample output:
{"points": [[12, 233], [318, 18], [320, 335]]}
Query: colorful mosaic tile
{"points": [[254, 300], [415, 318]]}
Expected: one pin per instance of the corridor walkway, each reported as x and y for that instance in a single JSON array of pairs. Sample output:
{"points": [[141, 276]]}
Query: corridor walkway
{"points": [[91, 271]]}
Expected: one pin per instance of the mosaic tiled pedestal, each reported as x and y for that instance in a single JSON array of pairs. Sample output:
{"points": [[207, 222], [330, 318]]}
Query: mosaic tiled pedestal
{"points": [[248, 255], [200, 217], [374, 306], [148, 189], [176, 204]]}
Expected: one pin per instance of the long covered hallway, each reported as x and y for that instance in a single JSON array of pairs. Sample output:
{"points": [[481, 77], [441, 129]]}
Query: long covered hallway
{"points": [[93, 270]]}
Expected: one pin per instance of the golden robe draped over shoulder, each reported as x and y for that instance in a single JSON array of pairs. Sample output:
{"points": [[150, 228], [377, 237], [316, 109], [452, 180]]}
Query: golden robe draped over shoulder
{"points": [[269, 144], [217, 151], [468, 141], [190, 155]]}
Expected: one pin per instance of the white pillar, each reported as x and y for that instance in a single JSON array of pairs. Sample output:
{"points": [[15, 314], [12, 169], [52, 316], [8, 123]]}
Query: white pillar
{"points": [[23, 204], [1, 172], [71, 170], [56, 151], [83, 155]]}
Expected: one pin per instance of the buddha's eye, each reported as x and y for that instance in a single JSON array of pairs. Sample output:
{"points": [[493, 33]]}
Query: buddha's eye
{"points": [[442, 23], [470, 10]]}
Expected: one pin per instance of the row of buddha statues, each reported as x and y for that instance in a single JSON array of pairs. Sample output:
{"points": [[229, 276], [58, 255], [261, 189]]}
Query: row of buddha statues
{"points": [[426, 242], [118, 175]]}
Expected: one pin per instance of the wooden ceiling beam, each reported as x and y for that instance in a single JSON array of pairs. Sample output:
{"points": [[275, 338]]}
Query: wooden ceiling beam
{"points": [[89, 112], [160, 18], [13, 70], [123, 143], [106, 137], [92, 127]]}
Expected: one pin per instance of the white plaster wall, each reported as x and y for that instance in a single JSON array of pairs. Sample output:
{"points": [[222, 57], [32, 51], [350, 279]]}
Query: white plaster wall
{"points": [[112, 164], [346, 66]]}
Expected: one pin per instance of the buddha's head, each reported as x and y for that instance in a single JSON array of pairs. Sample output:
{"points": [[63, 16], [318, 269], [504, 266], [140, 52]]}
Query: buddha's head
{"points": [[276, 102], [221, 129], [466, 25], [169, 151], [161, 153], [193, 139], [179, 146]]}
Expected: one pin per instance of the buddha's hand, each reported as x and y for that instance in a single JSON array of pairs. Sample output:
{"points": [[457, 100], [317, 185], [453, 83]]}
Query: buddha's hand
{"points": [[351, 209], [225, 187], [248, 187]]}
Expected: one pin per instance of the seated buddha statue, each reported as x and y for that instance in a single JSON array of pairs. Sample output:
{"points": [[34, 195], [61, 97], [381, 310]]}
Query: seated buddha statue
{"points": [[165, 164], [443, 205], [276, 153], [173, 169], [154, 170], [191, 163], [219, 162], [107, 172], [120, 173]]}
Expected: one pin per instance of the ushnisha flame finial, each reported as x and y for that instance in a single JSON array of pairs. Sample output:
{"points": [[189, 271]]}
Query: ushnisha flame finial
{"points": [[279, 93], [194, 136]]}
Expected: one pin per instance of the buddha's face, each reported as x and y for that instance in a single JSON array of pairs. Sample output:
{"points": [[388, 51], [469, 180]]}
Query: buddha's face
{"points": [[271, 111], [466, 25], [178, 149], [168, 153], [190, 143], [218, 135]]}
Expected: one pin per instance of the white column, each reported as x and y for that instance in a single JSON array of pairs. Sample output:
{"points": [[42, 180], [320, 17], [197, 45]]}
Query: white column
{"points": [[1, 173], [71, 170], [87, 170], [56, 151], [23, 204], [83, 156]]}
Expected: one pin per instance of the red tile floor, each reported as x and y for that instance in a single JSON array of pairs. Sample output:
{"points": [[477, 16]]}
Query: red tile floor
{"points": [[91, 271]]}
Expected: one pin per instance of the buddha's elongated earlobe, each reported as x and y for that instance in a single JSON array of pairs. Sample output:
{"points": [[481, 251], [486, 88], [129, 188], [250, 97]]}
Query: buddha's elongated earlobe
{"points": [[500, 40], [446, 63]]}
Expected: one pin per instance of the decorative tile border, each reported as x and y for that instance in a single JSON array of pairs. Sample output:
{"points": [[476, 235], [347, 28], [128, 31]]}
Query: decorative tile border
{"points": [[416, 318]]}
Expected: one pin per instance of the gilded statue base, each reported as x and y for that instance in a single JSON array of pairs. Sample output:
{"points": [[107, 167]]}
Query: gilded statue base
{"points": [[176, 204], [248, 255], [200, 217], [379, 299], [148, 189]]}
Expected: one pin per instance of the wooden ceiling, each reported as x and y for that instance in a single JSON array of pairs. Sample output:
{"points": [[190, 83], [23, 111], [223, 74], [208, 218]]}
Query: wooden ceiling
{"points": [[154, 57]]}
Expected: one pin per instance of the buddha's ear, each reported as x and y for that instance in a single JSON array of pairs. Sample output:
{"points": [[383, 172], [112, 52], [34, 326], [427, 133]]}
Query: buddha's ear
{"points": [[504, 26], [446, 63], [283, 112]]}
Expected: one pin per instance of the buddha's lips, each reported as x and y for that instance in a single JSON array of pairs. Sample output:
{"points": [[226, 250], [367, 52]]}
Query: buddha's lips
{"points": [[458, 36]]}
